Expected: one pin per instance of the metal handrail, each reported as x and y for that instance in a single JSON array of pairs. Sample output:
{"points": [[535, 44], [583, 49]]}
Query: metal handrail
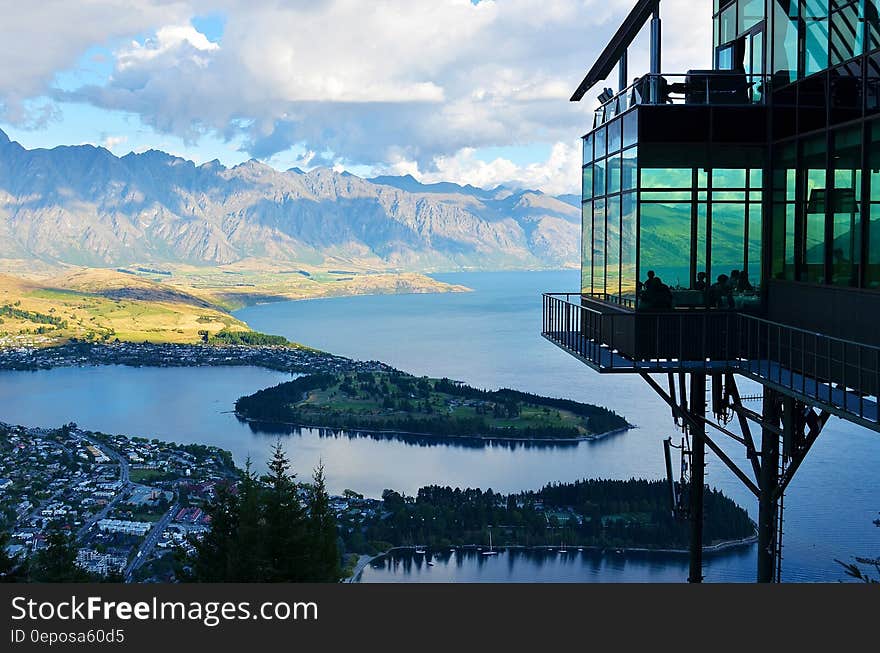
{"points": [[814, 365], [656, 90]]}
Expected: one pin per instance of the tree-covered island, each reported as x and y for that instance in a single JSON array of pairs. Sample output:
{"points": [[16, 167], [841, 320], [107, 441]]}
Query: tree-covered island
{"points": [[401, 403]]}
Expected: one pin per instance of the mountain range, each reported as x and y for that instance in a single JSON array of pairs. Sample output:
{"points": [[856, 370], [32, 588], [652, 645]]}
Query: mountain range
{"points": [[83, 205]]}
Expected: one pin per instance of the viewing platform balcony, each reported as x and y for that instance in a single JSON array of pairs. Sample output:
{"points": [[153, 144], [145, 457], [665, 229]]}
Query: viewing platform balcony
{"points": [[837, 375], [706, 88]]}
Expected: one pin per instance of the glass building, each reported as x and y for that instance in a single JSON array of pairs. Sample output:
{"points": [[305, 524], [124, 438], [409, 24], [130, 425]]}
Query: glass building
{"points": [[731, 228], [765, 169]]}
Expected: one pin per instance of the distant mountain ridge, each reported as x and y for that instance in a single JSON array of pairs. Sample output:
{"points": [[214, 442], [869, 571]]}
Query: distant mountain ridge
{"points": [[83, 205]]}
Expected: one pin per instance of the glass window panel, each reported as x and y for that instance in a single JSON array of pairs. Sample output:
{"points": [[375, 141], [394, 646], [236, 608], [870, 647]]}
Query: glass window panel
{"points": [[599, 246], [587, 185], [728, 239], [814, 228], [702, 178], [665, 241], [872, 273], [753, 269], [629, 169], [756, 69], [628, 246], [755, 178], [666, 178], [666, 196], [729, 195], [631, 128], [846, 34], [815, 46], [728, 178], [785, 41], [702, 220], [869, 10], [814, 8], [789, 241], [751, 12], [702, 196], [587, 247], [599, 178], [613, 172], [588, 149], [727, 24], [599, 143], [614, 136], [755, 196], [612, 246], [724, 58], [845, 200]]}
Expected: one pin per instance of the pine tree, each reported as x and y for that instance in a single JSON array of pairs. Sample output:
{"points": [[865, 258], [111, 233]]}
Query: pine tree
{"points": [[57, 562], [322, 538], [249, 560], [215, 559], [284, 532], [8, 564]]}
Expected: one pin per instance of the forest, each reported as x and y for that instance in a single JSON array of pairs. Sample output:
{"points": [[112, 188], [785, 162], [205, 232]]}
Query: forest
{"points": [[595, 512], [398, 402]]}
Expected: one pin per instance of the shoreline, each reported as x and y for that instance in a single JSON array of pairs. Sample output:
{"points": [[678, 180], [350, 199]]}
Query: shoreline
{"points": [[725, 545], [593, 437]]}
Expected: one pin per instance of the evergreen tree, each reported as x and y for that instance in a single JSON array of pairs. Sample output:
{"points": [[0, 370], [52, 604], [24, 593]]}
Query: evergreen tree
{"points": [[322, 539], [57, 562], [8, 564], [215, 560], [284, 532], [249, 561]]}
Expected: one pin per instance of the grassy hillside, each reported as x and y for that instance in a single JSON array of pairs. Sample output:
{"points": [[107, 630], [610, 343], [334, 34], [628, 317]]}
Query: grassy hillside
{"points": [[103, 305]]}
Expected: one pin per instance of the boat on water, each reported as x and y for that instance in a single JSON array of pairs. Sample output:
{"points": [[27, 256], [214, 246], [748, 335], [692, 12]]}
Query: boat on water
{"points": [[491, 551], [420, 551]]}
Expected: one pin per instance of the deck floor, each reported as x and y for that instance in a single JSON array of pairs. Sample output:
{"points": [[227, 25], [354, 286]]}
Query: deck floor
{"points": [[842, 402]]}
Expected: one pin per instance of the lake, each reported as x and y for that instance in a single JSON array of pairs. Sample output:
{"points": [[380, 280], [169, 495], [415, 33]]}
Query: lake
{"points": [[488, 338]]}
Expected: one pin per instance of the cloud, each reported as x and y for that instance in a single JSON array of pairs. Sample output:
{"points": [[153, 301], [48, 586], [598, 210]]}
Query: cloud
{"points": [[110, 142], [378, 83], [559, 173]]}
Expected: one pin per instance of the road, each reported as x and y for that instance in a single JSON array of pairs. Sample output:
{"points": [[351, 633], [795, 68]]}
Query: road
{"points": [[123, 476], [149, 543]]}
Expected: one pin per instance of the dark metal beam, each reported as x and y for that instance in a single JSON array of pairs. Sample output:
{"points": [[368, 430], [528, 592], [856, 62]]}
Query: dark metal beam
{"points": [[695, 424], [751, 451], [698, 478], [616, 47], [799, 455]]}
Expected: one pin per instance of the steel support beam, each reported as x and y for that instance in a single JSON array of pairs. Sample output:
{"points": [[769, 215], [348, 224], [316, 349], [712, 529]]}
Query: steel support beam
{"points": [[698, 476], [768, 499]]}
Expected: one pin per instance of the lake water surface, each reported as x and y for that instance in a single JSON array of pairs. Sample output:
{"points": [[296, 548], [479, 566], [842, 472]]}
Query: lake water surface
{"points": [[488, 338]]}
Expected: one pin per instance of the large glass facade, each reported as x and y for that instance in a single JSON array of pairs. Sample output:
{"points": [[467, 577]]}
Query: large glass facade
{"points": [[681, 227], [610, 172]]}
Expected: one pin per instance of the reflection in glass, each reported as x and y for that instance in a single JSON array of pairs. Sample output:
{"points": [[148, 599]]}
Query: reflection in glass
{"points": [[599, 246], [628, 246], [587, 247], [612, 245]]}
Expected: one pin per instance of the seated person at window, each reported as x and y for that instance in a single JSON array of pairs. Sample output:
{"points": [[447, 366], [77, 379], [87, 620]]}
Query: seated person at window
{"points": [[701, 283], [743, 284], [721, 293], [656, 294]]}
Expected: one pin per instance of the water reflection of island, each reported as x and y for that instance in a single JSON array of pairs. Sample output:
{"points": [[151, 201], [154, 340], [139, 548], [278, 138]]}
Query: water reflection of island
{"points": [[275, 429]]}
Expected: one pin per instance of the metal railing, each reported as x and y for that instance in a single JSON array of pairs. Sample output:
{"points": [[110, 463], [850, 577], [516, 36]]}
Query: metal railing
{"points": [[697, 87], [834, 372]]}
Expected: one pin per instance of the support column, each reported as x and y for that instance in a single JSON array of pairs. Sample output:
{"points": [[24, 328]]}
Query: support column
{"points": [[698, 470], [767, 502]]}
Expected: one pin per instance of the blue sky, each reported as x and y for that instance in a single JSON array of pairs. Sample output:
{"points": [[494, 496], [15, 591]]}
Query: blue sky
{"points": [[465, 91]]}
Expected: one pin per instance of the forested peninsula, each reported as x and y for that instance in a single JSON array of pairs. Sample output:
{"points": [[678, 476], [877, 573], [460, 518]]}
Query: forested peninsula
{"points": [[393, 401]]}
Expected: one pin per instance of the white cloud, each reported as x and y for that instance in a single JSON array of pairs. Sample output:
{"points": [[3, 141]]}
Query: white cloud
{"points": [[386, 82], [559, 173], [111, 142]]}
